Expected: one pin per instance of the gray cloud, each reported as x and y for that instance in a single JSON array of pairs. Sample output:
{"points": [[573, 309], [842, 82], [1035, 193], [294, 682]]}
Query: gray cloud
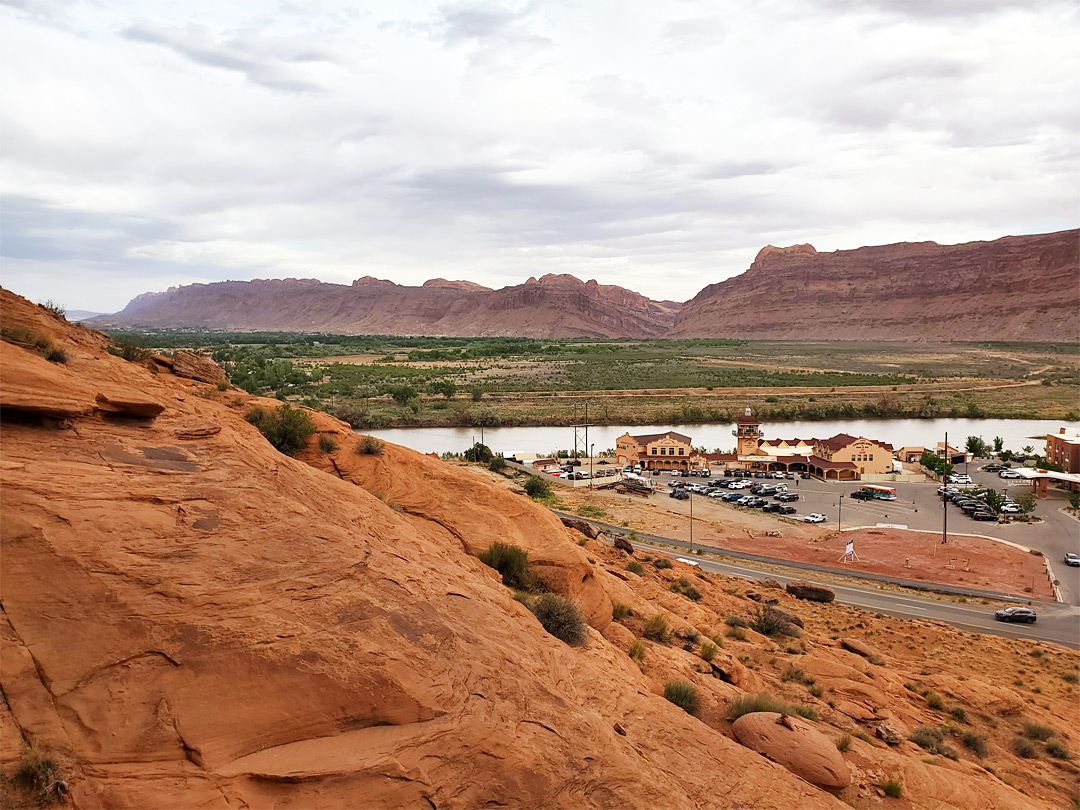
{"points": [[259, 63]]}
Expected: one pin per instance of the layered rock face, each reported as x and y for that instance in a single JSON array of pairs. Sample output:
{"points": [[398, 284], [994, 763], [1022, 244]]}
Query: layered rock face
{"points": [[553, 306], [191, 619], [1016, 288]]}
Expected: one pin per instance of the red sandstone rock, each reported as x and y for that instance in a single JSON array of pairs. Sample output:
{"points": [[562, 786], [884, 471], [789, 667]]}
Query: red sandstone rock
{"points": [[810, 591], [860, 647], [796, 745]]}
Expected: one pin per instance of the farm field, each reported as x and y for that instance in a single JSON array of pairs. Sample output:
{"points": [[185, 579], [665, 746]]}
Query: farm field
{"points": [[379, 381]]}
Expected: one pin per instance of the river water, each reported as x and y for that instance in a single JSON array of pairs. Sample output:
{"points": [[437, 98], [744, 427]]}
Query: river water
{"points": [[1017, 433]]}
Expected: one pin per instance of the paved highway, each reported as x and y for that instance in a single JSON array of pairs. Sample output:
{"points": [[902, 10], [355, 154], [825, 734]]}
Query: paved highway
{"points": [[1057, 623]]}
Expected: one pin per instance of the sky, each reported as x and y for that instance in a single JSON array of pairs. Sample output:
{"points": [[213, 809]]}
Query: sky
{"points": [[657, 146]]}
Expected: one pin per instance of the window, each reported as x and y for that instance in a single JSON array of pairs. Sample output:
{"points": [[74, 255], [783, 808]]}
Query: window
{"points": [[653, 452], [680, 451], [663, 451], [871, 456]]}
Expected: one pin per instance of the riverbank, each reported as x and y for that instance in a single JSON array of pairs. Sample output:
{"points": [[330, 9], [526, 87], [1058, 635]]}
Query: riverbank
{"points": [[962, 398]]}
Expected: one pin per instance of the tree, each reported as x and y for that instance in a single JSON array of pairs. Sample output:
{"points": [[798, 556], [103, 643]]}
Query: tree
{"points": [[976, 446], [998, 444], [445, 387], [537, 487], [497, 463], [1074, 500], [994, 499], [1028, 450], [1025, 502], [401, 394], [1004, 455], [477, 393], [480, 453]]}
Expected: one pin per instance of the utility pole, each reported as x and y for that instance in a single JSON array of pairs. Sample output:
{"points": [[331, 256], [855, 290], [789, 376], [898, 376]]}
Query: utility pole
{"points": [[691, 522], [590, 465], [587, 442], [839, 510], [945, 501]]}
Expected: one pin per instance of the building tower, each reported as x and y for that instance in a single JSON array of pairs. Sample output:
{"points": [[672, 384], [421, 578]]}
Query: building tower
{"points": [[747, 433]]}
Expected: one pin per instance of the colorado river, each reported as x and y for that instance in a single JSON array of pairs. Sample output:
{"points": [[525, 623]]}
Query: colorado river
{"points": [[1017, 433]]}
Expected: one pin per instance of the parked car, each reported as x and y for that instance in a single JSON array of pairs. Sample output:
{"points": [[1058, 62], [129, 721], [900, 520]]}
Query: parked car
{"points": [[789, 475], [787, 497], [804, 475], [759, 474], [959, 478], [786, 510], [728, 473], [995, 467], [717, 493], [732, 497], [1072, 559], [656, 472], [971, 507], [577, 476], [679, 494], [1016, 614], [1009, 474], [777, 474], [982, 514], [770, 507], [815, 517]]}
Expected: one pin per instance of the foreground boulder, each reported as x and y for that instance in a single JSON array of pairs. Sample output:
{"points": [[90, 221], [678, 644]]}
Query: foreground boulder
{"points": [[810, 591], [794, 743]]}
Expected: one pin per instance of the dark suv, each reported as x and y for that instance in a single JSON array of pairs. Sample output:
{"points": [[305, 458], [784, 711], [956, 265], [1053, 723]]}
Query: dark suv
{"points": [[862, 495], [1016, 614]]}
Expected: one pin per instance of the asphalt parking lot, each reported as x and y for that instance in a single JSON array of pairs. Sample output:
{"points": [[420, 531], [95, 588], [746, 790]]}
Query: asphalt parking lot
{"points": [[918, 506]]}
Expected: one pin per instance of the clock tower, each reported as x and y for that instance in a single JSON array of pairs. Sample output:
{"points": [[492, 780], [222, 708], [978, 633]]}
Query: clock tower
{"points": [[747, 433]]}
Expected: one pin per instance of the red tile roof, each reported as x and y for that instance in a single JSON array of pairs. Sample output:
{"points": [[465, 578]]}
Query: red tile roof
{"points": [[652, 437]]}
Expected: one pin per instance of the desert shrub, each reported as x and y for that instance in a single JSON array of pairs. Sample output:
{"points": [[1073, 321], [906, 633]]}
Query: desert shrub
{"points": [[1071, 677], [793, 674], [661, 562], [1033, 731], [683, 586], [657, 628], [816, 689], [891, 788], [286, 428], [708, 651], [257, 415], [638, 650], [327, 443], [55, 308], [762, 702], [497, 463], [930, 739], [684, 695], [55, 354], [590, 510], [737, 633], [1058, 749], [512, 562], [537, 487], [736, 621], [843, 742], [1023, 747], [40, 774], [479, 454], [809, 712], [959, 713], [862, 735], [634, 567], [618, 610], [369, 446], [127, 350], [933, 700], [975, 742], [560, 617]]}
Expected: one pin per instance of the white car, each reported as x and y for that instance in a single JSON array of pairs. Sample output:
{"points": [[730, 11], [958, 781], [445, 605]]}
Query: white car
{"points": [[1009, 474], [1010, 509], [716, 493], [960, 479], [815, 517]]}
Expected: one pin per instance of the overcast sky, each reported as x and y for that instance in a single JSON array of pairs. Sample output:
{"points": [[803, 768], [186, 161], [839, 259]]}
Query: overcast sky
{"points": [[655, 145]]}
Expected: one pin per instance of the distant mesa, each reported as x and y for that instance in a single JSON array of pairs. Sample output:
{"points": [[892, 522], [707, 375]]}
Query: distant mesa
{"points": [[1014, 288]]}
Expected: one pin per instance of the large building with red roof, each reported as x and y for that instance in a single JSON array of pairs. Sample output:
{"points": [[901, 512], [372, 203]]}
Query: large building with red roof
{"points": [[659, 451]]}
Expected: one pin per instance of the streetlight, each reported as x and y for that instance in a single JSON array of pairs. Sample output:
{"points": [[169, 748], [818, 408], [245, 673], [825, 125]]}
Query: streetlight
{"points": [[591, 446]]}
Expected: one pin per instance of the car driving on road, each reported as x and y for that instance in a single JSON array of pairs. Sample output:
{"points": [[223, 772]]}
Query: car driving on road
{"points": [[1072, 559], [1016, 614], [815, 517]]}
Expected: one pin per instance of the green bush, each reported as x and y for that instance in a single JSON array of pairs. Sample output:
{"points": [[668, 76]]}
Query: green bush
{"points": [[327, 443], [369, 446], [129, 351], [512, 562], [634, 567], [560, 617], [537, 487], [1033, 731], [708, 651], [683, 586], [736, 621], [975, 742], [891, 788], [933, 700], [497, 463], [816, 689], [737, 633], [661, 562], [589, 510], [793, 674], [638, 649], [959, 713], [657, 628], [618, 610], [256, 415], [1024, 747], [286, 428], [684, 695], [843, 742]]}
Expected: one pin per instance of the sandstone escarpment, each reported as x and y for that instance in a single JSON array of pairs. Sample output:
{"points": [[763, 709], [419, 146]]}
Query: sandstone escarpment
{"points": [[1015, 288], [553, 306]]}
